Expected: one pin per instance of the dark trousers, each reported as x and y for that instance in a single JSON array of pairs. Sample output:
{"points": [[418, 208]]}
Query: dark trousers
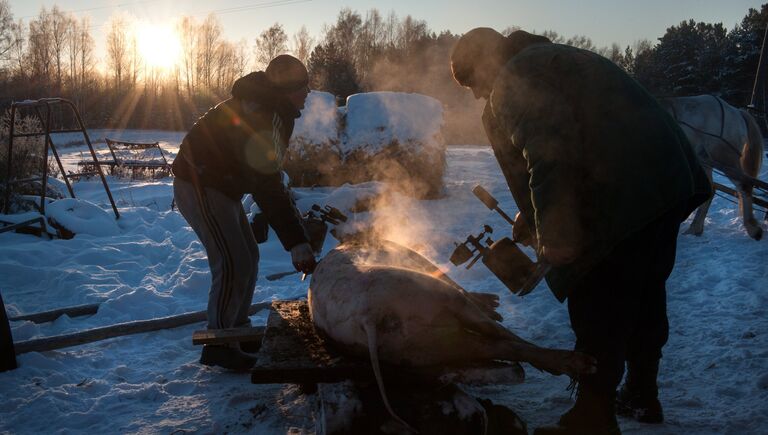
{"points": [[618, 311], [233, 256]]}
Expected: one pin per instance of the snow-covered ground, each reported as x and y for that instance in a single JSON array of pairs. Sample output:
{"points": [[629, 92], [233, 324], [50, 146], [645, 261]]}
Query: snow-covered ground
{"points": [[714, 375]]}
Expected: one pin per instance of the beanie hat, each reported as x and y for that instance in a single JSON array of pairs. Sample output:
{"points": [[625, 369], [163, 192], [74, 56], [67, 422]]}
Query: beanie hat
{"points": [[287, 73], [483, 42]]}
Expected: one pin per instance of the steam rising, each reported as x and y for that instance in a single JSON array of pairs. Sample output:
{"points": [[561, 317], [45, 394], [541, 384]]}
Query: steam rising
{"points": [[430, 74], [392, 137]]}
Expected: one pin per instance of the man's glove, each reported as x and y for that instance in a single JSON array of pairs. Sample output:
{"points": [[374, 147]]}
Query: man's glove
{"points": [[303, 258]]}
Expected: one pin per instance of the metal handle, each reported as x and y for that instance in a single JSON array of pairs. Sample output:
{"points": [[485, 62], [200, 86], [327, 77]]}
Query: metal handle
{"points": [[485, 197], [490, 202], [535, 278]]}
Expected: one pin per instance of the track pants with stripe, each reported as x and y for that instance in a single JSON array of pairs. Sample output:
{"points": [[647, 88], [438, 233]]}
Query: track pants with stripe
{"points": [[233, 255]]}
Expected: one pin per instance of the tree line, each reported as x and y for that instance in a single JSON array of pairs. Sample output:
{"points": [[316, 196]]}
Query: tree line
{"points": [[53, 54]]}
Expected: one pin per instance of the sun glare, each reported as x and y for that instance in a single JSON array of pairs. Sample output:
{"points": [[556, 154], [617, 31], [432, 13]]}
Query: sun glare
{"points": [[158, 45]]}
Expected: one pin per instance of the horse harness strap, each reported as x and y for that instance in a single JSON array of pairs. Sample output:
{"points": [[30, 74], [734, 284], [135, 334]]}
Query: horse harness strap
{"points": [[722, 115], [716, 136]]}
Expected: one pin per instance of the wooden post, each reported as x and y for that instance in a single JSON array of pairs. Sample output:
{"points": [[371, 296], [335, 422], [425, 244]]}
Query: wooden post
{"points": [[7, 353], [49, 316], [103, 333], [757, 101]]}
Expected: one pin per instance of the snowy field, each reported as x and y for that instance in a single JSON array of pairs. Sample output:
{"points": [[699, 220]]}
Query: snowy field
{"points": [[148, 264]]}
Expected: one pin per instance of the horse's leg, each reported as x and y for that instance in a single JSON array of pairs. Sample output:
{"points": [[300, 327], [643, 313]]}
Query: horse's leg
{"points": [[697, 225], [745, 207], [751, 160]]}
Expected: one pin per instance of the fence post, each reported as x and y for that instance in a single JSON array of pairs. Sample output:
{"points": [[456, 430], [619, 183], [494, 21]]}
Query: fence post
{"points": [[7, 352]]}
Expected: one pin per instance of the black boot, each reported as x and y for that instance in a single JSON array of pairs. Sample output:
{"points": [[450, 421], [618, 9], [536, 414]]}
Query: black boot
{"points": [[592, 414], [638, 398], [229, 357]]}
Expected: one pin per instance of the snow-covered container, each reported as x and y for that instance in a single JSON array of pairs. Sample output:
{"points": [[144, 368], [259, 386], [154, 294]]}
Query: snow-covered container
{"points": [[313, 154], [395, 137]]}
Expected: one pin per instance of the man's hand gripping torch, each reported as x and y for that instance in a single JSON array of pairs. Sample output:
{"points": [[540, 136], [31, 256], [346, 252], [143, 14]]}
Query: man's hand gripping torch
{"points": [[315, 222]]}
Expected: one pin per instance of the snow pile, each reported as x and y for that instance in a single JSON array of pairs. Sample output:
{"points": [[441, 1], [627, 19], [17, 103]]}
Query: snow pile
{"points": [[313, 154], [377, 120], [82, 217], [395, 137], [386, 136]]}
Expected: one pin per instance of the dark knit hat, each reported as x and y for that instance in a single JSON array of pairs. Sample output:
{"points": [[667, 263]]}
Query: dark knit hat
{"points": [[484, 42], [287, 73]]}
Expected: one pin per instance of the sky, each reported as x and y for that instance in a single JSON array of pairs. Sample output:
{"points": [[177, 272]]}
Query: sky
{"points": [[604, 21]]}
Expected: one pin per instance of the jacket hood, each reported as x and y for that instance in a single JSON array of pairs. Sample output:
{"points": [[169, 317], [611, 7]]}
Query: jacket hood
{"points": [[520, 40]]}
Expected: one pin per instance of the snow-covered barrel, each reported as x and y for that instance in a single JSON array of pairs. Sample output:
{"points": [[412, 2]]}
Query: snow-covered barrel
{"points": [[395, 137], [314, 156]]}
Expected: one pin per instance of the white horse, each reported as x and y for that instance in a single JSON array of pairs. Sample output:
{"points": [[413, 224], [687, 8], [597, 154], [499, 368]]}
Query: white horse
{"points": [[726, 139]]}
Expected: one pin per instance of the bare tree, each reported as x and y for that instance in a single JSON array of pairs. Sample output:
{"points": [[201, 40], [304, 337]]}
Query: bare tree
{"points": [[240, 61], [39, 49], [345, 32], [86, 57], [17, 52], [117, 50], [553, 36], [390, 29], [581, 41], [411, 31], [6, 29], [615, 53], [209, 39], [135, 61], [269, 44], [59, 29], [302, 45], [369, 42], [73, 52], [187, 30], [80, 50], [224, 67]]}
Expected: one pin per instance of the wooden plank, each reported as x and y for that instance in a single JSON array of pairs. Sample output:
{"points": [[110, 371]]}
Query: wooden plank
{"points": [[103, 333], [38, 220], [293, 352], [48, 316], [231, 335]]}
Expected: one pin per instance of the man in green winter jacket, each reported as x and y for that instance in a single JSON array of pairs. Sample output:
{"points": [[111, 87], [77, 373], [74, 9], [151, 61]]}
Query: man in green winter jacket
{"points": [[234, 149], [602, 177]]}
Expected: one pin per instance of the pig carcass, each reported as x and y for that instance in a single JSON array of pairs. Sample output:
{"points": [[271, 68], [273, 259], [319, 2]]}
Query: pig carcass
{"points": [[381, 300]]}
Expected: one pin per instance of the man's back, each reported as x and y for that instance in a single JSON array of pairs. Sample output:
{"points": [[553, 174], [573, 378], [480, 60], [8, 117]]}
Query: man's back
{"points": [[628, 162]]}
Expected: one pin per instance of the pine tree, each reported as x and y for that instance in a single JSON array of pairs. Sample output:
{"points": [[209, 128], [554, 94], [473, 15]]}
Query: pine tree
{"points": [[741, 61]]}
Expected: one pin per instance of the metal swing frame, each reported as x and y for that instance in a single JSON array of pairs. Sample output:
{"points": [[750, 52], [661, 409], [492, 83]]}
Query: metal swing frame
{"points": [[43, 110]]}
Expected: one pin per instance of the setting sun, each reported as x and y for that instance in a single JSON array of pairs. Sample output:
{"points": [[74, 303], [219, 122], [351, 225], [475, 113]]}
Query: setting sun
{"points": [[158, 45]]}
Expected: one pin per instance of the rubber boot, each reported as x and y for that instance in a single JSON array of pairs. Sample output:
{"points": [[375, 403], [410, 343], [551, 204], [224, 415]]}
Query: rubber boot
{"points": [[638, 398], [593, 414], [226, 356], [250, 347]]}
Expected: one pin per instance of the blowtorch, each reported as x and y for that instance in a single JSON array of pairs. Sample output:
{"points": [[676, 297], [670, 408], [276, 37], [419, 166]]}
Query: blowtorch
{"points": [[502, 257]]}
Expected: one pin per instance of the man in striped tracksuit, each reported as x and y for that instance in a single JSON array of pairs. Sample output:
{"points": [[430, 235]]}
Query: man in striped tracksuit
{"points": [[234, 149]]}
